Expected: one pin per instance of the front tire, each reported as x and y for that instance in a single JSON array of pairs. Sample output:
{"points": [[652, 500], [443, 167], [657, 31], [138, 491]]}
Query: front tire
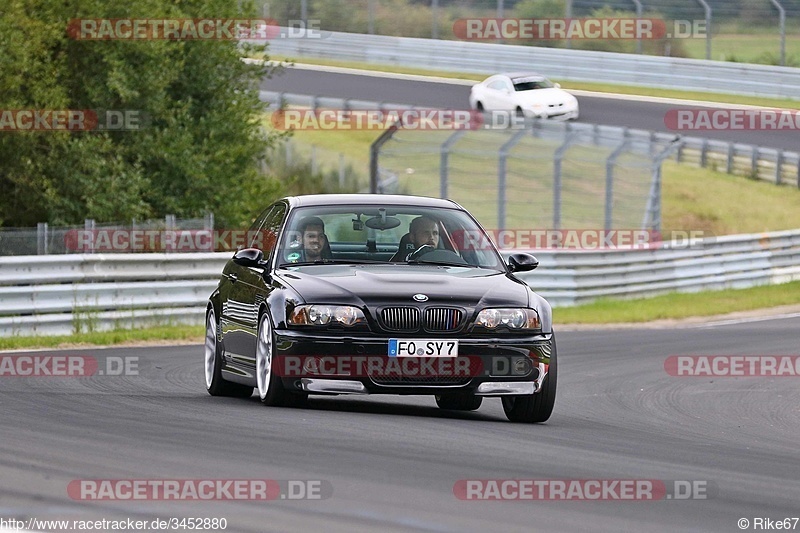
{"points": [[537, 407], [270, 387], [459, 401], [215, 384]]}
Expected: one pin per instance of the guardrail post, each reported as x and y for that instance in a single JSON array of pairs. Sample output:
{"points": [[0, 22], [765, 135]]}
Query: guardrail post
{"points": [[729, 159], [208, 222], [703, 152], [444, 155], [754, 163], [41, 238], [778, 165], [610, 162], [501, 176], [557, 157]]}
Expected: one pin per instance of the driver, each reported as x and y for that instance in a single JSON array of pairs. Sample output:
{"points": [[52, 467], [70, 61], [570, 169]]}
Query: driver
{"points": [[422, 230], [312, 235]]}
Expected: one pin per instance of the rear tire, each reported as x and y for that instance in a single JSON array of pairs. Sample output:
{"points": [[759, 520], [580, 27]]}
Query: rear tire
{"points": [[537, 407], [460, 401], [215, 384]]}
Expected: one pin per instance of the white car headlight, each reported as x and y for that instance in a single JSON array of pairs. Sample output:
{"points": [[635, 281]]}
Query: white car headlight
{"points": [[512, 318], [323, 315]]}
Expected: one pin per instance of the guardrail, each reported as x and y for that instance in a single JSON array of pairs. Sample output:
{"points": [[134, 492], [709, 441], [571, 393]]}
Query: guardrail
{"points": [[579, 65], [50, 295], [768, 164]]}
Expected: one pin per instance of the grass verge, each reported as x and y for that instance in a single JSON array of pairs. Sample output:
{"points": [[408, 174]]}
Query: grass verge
{"points": [[566, 84], [679, 305], [107, 338]]}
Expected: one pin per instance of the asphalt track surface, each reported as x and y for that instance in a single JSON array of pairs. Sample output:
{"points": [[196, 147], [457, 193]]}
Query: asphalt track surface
{"points": [[594, 110], [392, 461]]}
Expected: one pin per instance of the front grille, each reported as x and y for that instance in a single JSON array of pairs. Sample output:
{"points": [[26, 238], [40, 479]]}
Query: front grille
{"points": [[400, 318], [401, 381], [442, 318]]}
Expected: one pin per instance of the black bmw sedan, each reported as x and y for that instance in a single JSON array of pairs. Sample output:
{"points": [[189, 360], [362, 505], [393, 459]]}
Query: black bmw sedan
{"points": [[379, 294]]}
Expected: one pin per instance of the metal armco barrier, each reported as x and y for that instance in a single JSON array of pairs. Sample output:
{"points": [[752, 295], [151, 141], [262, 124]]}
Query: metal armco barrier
{"points": [[50, 295], [579, 65]]}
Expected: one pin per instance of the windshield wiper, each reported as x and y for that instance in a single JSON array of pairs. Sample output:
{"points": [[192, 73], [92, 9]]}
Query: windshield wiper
{"points": [[333, 262]]}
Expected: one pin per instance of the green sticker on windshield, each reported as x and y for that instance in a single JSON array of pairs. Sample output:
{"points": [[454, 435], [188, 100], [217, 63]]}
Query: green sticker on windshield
{"points": [[293, 257]]}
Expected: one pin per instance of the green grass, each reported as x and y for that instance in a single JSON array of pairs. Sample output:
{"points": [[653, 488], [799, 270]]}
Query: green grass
{"points": [[107, 338], [745, 48], [676, 306], [566, 84]]}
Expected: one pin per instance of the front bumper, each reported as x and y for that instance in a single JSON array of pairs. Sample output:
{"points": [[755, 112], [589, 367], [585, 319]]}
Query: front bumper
{"points": [[326, 364]]}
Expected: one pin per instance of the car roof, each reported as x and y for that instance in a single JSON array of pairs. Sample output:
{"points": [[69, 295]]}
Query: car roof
{"points": [[369, 199]]}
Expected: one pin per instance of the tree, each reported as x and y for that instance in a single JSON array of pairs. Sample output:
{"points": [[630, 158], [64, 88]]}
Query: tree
{"points": [[199, 151]]}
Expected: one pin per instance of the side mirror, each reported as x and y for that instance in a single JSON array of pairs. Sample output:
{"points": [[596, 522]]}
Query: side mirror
{"points": [[522, 262], [558, 85], [249, 257]]}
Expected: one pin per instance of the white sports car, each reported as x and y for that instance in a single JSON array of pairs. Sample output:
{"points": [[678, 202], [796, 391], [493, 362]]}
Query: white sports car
{"points": [[526, 94]]}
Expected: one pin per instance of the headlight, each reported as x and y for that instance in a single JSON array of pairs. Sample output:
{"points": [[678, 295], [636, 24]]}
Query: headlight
{"points": [[515, 319], [323, 315]]}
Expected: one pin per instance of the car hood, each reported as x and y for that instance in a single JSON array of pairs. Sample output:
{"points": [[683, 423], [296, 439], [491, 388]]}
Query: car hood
{"points": [[379, 285], [543, 96]]}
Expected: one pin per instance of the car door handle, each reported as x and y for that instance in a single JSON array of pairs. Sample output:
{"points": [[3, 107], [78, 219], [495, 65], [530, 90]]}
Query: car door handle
{"points": [[233, 277]]}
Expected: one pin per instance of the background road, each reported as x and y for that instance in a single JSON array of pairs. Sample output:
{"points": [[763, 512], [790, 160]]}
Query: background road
{"points": [[393, 461], [594, 110]]}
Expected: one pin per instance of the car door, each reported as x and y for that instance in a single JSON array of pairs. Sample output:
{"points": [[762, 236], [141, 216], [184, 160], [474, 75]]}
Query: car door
{"points": [[496, 95], [244, 293]]}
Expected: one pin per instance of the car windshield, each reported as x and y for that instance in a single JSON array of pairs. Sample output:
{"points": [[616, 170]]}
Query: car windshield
{"points": [[386, 234], [530, 84]]}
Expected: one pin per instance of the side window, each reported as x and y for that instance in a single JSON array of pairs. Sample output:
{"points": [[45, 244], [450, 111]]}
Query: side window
{"points": [[497, 85], [252, 238], [268, 234]]}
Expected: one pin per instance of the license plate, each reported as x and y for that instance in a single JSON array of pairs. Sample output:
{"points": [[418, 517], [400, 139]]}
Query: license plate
{"points": [[422, 348]]}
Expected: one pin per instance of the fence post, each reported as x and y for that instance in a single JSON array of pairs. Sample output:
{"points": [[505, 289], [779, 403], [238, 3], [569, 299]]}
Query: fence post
{"points": [[88, 226], [707, 9], [501, 177], [652, 215], [778, 165], [443, 160], [374, 152], [703, 152], [610, 162], [435, 19], [638, 5], [557, 157], [782, 25], [41, 238], [754, 162]]}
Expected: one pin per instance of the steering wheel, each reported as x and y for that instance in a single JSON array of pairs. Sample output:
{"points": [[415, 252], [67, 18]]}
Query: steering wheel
{"points": [[422, 250]]}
